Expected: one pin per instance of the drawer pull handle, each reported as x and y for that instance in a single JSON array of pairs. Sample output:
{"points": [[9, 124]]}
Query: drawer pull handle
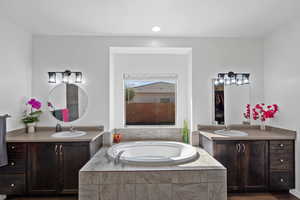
{"points": [[281, 180], [281, 145], [238, 147], [12, 164], [12, 185]]}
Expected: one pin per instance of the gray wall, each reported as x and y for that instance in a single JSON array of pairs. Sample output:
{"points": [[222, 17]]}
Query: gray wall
{"points": [[15, 75], [91, 56], [282, 81]]}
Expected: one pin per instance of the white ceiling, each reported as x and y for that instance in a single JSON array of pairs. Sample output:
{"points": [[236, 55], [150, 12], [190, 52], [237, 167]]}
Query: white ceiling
{"points": [[203, 18]]}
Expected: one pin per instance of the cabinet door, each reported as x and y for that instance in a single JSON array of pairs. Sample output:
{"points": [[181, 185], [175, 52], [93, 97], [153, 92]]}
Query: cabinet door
{"points": [[73, 157], [254, 165], [43, 168], [227, 153]]}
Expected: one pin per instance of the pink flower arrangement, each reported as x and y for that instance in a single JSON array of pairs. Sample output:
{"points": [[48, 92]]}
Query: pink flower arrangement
{"points": [[263, 112], [34, 103], [247, 114], [35, 112]]}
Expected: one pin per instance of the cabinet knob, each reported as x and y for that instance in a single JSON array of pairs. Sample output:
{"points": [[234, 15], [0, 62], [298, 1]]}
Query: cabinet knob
{"points": [[12, 185], [13, 147], [281, 145], [281, 160], [12, 164], [281, 180]]}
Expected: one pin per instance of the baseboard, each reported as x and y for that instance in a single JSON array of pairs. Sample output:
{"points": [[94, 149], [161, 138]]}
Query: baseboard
{"points": [[2, 197], [296, 193]]}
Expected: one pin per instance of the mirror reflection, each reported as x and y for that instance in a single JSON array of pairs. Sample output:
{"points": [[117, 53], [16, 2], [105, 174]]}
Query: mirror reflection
{"points": [[230, 103], [67, 102]]}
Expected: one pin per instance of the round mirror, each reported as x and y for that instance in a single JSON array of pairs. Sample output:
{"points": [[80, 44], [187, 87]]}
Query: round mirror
{"points": [[67, 102]]}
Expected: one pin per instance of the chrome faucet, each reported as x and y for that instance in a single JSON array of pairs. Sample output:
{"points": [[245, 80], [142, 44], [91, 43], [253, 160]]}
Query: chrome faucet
{"points": [[117, 159], [72, 129]]}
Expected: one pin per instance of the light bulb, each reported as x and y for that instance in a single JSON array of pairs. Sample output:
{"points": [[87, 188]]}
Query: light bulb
{"points": [[246, 81], [239, 82], [216, 82], [155, 28], [221, 80], [233, 80], [227, 82]]}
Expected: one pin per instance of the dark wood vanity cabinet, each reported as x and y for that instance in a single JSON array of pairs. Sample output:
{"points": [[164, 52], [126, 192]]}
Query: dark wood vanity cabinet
{"points": [[53, 167], [37, 168], [246, 164], [282, 165], [13, 176], [254, 166], [227, 154], [73, 157], [43, 163]]}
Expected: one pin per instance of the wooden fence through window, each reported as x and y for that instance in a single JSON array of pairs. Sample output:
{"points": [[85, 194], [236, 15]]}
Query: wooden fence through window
{"points": [[150, 113]]}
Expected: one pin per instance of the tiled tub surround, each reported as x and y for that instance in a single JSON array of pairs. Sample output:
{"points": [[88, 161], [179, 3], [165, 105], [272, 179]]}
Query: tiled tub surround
{"points": [[138, 134], [202, 179]]}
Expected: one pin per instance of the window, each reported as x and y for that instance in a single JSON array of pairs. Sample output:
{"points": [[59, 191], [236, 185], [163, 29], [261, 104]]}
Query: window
{"points": [[165, 100], [149, 102]]}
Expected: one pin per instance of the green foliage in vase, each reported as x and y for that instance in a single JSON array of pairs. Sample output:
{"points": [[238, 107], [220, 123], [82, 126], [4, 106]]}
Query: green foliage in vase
{"points": [[185, 132]]}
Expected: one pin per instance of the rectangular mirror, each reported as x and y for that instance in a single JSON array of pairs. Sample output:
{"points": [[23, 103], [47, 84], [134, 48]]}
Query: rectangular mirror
{"points": [[229, 104]]}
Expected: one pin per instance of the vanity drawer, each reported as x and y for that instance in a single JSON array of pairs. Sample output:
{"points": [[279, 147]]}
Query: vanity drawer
{"points": [[14, 166], [12, 184], [281, 162], [281, 181], [283, 146], [16, 148]]}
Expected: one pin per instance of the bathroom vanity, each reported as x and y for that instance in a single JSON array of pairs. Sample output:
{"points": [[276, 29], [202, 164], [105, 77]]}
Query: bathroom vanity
{"points": [[261, 161], [41, 164]]}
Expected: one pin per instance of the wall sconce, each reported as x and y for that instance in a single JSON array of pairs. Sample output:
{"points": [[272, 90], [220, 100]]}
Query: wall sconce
{"points": [[52, 77], [66, 77], [78, 77], [232, 78]]}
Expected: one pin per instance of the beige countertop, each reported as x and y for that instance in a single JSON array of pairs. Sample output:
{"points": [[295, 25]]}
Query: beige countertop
{"points": [[45, 136], [253, 134]]}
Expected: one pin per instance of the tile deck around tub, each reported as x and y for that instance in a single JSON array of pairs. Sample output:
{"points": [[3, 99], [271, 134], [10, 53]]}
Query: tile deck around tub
{"points": [[202, 179], [101, 163]]}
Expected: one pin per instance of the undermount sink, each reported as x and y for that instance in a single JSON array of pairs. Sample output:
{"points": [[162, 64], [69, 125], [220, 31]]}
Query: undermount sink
{"points": [[231, 133], [68, 134]]}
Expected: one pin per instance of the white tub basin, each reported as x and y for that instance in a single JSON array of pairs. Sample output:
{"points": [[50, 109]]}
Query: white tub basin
{"points": [[69, 134], [153, 152], [231, 133]]}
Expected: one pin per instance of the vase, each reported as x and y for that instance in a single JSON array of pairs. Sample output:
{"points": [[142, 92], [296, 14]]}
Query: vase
{"points": [[31, 127], [263, 126]]}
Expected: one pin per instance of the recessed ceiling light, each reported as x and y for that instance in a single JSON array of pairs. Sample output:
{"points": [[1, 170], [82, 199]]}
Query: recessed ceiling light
{"points": [[155, 28]]}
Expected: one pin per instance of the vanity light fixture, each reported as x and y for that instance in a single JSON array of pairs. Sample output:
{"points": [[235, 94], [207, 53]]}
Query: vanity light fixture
{"points": [[232, 78], [52, 77], [78, 77], [66, 77], [155, 29]]}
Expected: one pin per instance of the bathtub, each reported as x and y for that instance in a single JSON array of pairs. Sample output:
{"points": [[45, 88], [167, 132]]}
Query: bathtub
{"points": [[152, 153]]}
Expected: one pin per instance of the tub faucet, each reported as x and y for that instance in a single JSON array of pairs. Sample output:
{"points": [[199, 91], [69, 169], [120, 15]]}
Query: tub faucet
{"points": [[227, 128], [117, 159]]}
